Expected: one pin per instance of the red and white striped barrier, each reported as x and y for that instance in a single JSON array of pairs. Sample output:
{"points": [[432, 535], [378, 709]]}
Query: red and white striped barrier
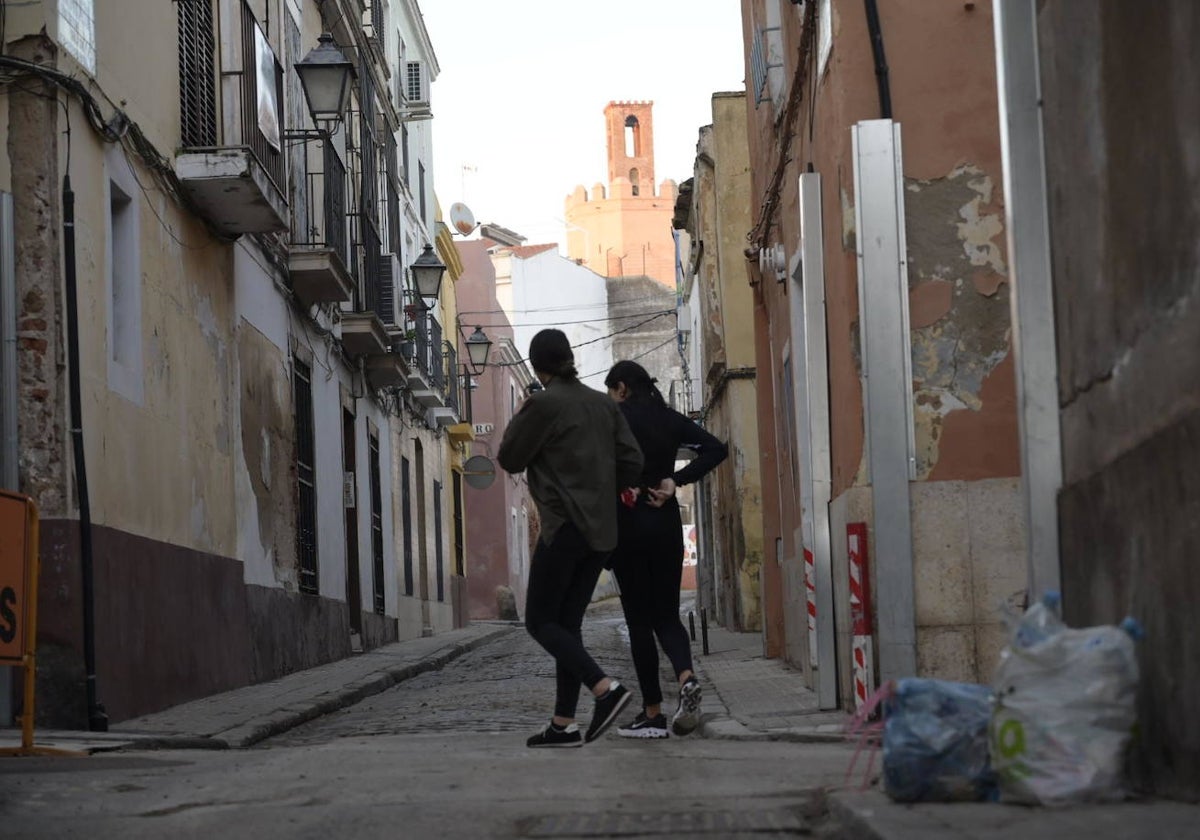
{"points": [[860, 613], [810, 586]]}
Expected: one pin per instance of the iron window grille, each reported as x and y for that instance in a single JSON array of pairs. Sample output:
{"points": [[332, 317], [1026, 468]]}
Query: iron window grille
{"points": [[306, 489]]}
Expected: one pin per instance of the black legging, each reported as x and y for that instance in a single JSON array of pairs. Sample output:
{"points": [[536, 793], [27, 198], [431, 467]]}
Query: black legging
{"points": [[648, 564], [562, 577]]}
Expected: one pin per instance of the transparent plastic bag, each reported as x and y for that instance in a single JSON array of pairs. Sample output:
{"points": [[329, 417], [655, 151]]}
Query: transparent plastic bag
{"points": [[935, 745], [1064, 709]]}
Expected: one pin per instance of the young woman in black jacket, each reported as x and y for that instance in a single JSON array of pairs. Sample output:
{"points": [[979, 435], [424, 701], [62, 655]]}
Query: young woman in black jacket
{"points": [[648, 561]]}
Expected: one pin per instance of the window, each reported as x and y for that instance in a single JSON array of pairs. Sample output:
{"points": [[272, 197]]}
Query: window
{"points": [[634, 177], [197, 88], [404, 158], [125, 285], [122, 276], [376, 523], [306, 488], [406, 522], [632, 137], [421, 189], [416, 83], [77, 31]]}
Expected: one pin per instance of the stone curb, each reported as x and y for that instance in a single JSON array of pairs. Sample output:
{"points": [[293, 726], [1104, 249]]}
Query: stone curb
{"points": [[281, 720], [853, 816]]}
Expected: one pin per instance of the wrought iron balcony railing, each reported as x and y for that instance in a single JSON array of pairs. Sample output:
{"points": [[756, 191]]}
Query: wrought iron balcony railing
{"points": [[320, 220]]}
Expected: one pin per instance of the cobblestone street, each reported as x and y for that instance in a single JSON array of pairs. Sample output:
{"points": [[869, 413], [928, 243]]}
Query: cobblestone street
{"points": [[442, 755], [506, 686]]}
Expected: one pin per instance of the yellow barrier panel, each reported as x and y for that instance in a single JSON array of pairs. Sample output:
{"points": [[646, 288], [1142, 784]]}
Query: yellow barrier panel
{"points": [[18, 607]]}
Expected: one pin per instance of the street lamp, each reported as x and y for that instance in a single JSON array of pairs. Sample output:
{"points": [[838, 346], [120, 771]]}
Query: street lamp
{"points": [[325, 75], [478, 347], [427, 272]]}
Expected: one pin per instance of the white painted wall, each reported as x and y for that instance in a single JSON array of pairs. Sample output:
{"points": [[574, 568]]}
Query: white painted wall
{"points": [[549, 290]]}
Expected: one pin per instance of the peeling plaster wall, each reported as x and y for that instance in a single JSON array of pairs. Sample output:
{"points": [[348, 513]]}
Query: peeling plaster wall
{"points": [[959, 317], [1122, 129], [943, 87]]}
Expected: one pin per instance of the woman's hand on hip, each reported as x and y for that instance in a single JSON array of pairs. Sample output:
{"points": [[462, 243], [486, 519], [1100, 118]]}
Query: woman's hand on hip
{"points": [[662, 493]]}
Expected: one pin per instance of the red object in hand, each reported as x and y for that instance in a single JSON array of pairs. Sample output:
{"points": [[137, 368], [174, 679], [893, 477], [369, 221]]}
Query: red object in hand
{"points": [[629, 497]]}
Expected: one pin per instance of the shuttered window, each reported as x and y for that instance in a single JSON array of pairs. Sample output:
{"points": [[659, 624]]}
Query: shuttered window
{"points": [[197, 77]]}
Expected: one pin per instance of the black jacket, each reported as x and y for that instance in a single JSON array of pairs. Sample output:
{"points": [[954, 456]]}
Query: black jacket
{"points": [[661, 432]]}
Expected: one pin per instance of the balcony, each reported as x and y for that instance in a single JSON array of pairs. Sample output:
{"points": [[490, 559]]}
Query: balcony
{"points": [[448, 414], [425, 375], [232, 190], [364, 329], [318, 256], [239, 185]]}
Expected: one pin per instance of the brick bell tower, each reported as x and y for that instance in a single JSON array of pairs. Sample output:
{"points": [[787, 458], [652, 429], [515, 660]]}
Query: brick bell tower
{"points": [[631, 145]]}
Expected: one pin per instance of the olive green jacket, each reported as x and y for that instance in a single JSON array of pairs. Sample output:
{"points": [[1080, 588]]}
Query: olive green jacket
{"points": [[577, 450]]}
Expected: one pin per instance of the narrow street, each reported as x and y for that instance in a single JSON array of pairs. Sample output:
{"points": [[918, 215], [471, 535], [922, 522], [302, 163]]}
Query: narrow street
{"points": [[440, 755]]}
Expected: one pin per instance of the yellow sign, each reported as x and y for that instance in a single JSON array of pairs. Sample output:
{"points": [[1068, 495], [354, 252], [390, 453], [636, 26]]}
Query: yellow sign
{"points": [[17, 544]]}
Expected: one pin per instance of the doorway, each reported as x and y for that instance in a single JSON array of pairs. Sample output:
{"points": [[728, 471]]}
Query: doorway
{"points": [[350, 502]]}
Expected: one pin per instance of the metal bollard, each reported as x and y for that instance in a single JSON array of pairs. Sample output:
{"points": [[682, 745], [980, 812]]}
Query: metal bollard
{"points": [[692, 624], [704, 629]]}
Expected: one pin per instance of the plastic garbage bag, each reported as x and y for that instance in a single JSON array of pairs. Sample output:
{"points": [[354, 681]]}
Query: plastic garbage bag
{"points": [[935, 745], [1064, 710]]}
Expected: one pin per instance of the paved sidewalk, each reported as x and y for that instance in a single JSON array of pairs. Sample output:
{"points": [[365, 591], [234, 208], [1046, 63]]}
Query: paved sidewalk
{"points": [[245, 716], [758, 698]]}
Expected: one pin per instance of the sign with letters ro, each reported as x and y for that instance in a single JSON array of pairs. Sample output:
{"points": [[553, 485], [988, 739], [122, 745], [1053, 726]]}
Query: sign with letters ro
{"points": [[14, 576]]}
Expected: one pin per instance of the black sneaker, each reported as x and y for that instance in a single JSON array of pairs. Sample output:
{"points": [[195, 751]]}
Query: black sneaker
{"points": [[687, 715], [608, 706], [645, 727], [553, 736]]}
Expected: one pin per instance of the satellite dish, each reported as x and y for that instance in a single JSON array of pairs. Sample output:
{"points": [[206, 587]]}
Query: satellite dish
{"points": [[479, 472], [461, 218]]}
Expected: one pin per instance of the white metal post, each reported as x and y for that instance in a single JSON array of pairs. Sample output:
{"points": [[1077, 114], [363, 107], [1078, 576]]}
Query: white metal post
{"points": [[887, 366], [1032, 293]]}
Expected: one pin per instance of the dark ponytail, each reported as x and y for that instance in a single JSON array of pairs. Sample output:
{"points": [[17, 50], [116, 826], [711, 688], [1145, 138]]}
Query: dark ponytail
{"points": [[637, 381], [550, 352]]}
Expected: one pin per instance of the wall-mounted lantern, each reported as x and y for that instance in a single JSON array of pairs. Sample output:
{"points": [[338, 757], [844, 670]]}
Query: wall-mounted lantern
{"points": [[325, 75], [427, 272]]}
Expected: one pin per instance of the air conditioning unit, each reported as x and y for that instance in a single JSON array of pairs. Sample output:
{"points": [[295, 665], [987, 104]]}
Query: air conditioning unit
{"points": [[391, 281], [416, 84]]}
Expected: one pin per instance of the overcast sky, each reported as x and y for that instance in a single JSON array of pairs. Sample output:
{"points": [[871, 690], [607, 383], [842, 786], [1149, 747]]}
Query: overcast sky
{"points": [[523, 85]]}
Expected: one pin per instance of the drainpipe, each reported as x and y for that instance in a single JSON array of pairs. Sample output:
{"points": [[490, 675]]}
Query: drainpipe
{"points": [[9, 476], [881, 68], [97, 719]]}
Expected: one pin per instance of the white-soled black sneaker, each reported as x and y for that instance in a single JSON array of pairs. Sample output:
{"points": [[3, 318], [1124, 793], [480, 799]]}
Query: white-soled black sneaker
{"points": [[553, 736], [687, 715], [645, 727], [608, 705]]}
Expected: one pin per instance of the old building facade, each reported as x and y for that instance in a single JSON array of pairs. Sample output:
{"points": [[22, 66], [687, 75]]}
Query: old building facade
{"points": [[886, 395], [267, 458], [718, 384]]}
